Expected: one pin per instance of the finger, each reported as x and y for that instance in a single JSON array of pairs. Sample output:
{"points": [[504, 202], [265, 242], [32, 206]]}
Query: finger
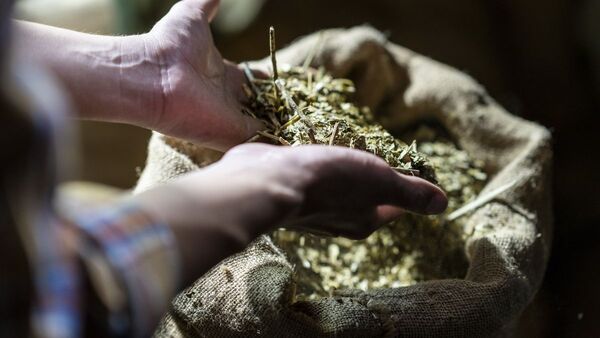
{"points": [[208, 7], [250, 150], [234, 129], [260, 72], [407, 192], [251, 126], [417, 195], [384, 185], [388, 213], [244, 126], [360, 177], [235, 80], [239, 78], [353, 224]]}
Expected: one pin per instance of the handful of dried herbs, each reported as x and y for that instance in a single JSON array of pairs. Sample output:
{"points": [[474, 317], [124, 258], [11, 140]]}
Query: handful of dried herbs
{"points": [[303, 105]]}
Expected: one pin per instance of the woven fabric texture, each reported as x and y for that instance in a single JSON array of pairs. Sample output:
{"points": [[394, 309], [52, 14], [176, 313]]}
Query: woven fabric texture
{"points": [[251, 293]]}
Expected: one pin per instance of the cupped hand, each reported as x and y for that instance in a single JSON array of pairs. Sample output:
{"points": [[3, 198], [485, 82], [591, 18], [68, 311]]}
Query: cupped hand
{"points": [[256, 188], [332, 190], [323, 189], [201, 92]]}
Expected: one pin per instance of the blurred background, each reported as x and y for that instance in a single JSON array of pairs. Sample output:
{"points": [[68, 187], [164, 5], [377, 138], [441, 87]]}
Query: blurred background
{"points": [[540, 59]]}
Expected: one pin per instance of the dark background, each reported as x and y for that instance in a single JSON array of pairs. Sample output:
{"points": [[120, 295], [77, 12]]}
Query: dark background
{"points": [[540, 59]]}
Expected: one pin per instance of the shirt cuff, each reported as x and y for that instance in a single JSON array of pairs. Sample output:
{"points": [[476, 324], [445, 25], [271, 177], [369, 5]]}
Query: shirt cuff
{"points": [[126, 249]]}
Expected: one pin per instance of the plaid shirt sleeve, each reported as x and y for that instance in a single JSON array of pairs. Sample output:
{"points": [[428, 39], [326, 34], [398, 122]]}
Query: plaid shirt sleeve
{"points": [[133, 265]]}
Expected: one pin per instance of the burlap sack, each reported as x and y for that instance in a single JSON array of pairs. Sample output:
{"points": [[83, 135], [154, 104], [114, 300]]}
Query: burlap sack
{"points": [[251, 294]]}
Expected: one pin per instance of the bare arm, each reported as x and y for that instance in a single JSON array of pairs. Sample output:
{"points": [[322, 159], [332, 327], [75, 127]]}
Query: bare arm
{"points": [[205, 216], [108, 78], [256, 188], [171, 79]]}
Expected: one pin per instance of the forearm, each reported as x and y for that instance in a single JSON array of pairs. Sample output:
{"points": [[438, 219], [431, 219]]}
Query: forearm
{"points": [[109, 78], [141, 250], [132, 263], [203, 238]]}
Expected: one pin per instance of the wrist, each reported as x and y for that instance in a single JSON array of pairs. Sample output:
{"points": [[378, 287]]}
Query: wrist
{"points": [[202, 237], [133, 254], [140, 82]]}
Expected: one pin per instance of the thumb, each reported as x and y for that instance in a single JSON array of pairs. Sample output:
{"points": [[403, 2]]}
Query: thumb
{"points": [[209, 7], [250, 126]]}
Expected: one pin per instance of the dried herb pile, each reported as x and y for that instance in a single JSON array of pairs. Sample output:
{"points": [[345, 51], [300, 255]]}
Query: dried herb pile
{"points": [[314, 108], [412, 249], [302, 105]]}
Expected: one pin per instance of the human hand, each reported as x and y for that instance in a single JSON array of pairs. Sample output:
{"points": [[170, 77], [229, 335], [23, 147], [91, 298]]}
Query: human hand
{"points": [[331, 190], [201, 92], [256, 188], [171, 79]]}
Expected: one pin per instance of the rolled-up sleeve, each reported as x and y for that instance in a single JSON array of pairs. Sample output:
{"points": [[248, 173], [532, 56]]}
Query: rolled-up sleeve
{"points": [[132, 265]]}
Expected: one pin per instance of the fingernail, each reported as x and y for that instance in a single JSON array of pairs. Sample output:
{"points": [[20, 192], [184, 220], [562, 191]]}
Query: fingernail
{"points": [[437, 204]]}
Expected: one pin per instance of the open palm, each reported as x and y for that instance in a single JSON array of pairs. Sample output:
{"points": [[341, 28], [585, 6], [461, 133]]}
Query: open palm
{"points": [[202, 92]]}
